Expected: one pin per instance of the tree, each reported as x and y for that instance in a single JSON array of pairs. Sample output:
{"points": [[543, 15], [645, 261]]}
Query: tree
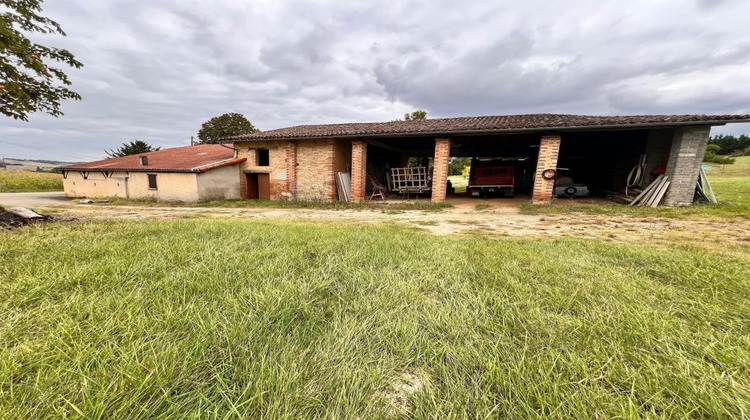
{"points": [[729, 144], [230, 124], [133, 148], [416, 115], [457, 165], [27, 83]]}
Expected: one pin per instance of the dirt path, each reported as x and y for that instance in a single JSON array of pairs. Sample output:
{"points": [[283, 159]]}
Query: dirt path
{"points": [[463, 218], [505, 221]]}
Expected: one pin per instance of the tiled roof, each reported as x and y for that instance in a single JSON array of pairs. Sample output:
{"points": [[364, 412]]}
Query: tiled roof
{"points": [[529, 122], [199, 158]]}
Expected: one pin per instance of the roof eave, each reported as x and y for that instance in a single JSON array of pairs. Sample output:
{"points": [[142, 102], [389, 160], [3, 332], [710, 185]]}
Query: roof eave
{"points": [[196, 170], [505, 130], [124, 170]]}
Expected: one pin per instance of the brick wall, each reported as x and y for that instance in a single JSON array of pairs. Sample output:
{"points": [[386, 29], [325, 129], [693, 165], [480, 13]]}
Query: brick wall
{"points": [[315, 170], [685, 158], [440, 169], [549, 149], [291, 169], [359, 170], [301, 169], [277, 165]]}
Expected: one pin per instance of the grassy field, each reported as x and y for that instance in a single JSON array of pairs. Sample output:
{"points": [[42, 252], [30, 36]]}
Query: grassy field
{"points": [[281, 320], [459, 183], [28, 181], [731, 183]]}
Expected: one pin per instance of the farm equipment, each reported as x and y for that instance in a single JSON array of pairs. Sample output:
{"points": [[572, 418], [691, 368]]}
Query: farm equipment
{"points": [[565, 186], [412, 180], [491, 177]]}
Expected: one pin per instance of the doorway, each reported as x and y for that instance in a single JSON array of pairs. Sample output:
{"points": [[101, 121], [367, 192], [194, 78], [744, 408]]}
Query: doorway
{"points": [[258, 186]]}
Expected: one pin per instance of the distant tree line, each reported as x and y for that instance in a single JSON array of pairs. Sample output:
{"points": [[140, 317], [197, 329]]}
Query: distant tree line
{"points": [[731, 145], [722, 147]]}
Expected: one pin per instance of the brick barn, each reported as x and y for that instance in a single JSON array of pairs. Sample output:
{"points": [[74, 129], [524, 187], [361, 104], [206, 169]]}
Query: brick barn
{"points": [[302, 162]]}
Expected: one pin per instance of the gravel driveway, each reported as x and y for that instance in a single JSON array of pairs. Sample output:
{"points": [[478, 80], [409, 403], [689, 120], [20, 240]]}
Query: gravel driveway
{"points": [[33, 199]]}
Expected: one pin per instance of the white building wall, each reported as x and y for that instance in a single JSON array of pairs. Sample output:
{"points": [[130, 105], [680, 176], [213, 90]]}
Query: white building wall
{"points": [[219, 184]]}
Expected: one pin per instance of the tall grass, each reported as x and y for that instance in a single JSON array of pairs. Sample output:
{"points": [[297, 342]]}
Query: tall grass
{"points": [[240, 319], [28, 181]]}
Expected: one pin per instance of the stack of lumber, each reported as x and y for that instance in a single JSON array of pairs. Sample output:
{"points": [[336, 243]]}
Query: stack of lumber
{"points": [[652, 195], [703, 190]]}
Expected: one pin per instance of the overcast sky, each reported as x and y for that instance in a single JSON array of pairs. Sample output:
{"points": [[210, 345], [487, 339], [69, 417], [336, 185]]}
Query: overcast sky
{"points": [[156, 70]]}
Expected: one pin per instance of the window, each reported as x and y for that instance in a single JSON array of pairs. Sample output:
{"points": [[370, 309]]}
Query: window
{"points": [[263, 159], [152, 181]]}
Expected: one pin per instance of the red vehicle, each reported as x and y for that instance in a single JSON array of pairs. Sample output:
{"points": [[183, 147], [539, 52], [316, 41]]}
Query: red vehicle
{"points": [[491, 177]]}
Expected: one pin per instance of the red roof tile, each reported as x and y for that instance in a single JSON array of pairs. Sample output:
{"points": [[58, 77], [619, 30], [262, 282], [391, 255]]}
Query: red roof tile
{"points": [[530, 122], [199, 158]]}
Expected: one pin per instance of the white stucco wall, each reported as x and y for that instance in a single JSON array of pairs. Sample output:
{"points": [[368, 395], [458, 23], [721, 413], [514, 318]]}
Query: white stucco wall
{"points": [[171, 186], [95, 185], [219, 184]]}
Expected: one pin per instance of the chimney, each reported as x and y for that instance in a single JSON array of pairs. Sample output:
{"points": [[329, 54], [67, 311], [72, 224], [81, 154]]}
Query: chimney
{"points": [[144, 160]]}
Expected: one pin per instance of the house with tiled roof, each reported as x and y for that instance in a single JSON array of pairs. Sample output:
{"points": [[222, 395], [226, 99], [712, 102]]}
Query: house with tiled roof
{"points": [[191, 174], [353, 161], [357, 161]]}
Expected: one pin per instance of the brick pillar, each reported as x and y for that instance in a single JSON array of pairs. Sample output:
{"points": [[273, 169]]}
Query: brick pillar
{"points": [[683, 167], [359, 169], [291, 169], [549, 148], [440, 169]]}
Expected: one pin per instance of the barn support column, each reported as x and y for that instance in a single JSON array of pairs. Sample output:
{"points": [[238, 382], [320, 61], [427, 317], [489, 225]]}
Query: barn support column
{"points": [[359, 170], [291, 169], [440, 169], [549, 149], [683, 167]]}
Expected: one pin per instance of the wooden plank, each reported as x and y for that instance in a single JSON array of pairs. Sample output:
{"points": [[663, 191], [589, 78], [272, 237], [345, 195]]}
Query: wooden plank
{"points": [[660, 195], [649, 198], [707, 187], [25, 213], [651, 191], [645, 191], [701, 195], [655, 187]]}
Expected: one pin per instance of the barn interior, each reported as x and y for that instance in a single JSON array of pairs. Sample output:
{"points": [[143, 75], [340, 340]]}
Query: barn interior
{"points": [[599, 160]]}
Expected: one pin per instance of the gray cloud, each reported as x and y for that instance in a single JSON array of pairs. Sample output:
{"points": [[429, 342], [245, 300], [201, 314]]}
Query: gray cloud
{"points": [[157, 70]]}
